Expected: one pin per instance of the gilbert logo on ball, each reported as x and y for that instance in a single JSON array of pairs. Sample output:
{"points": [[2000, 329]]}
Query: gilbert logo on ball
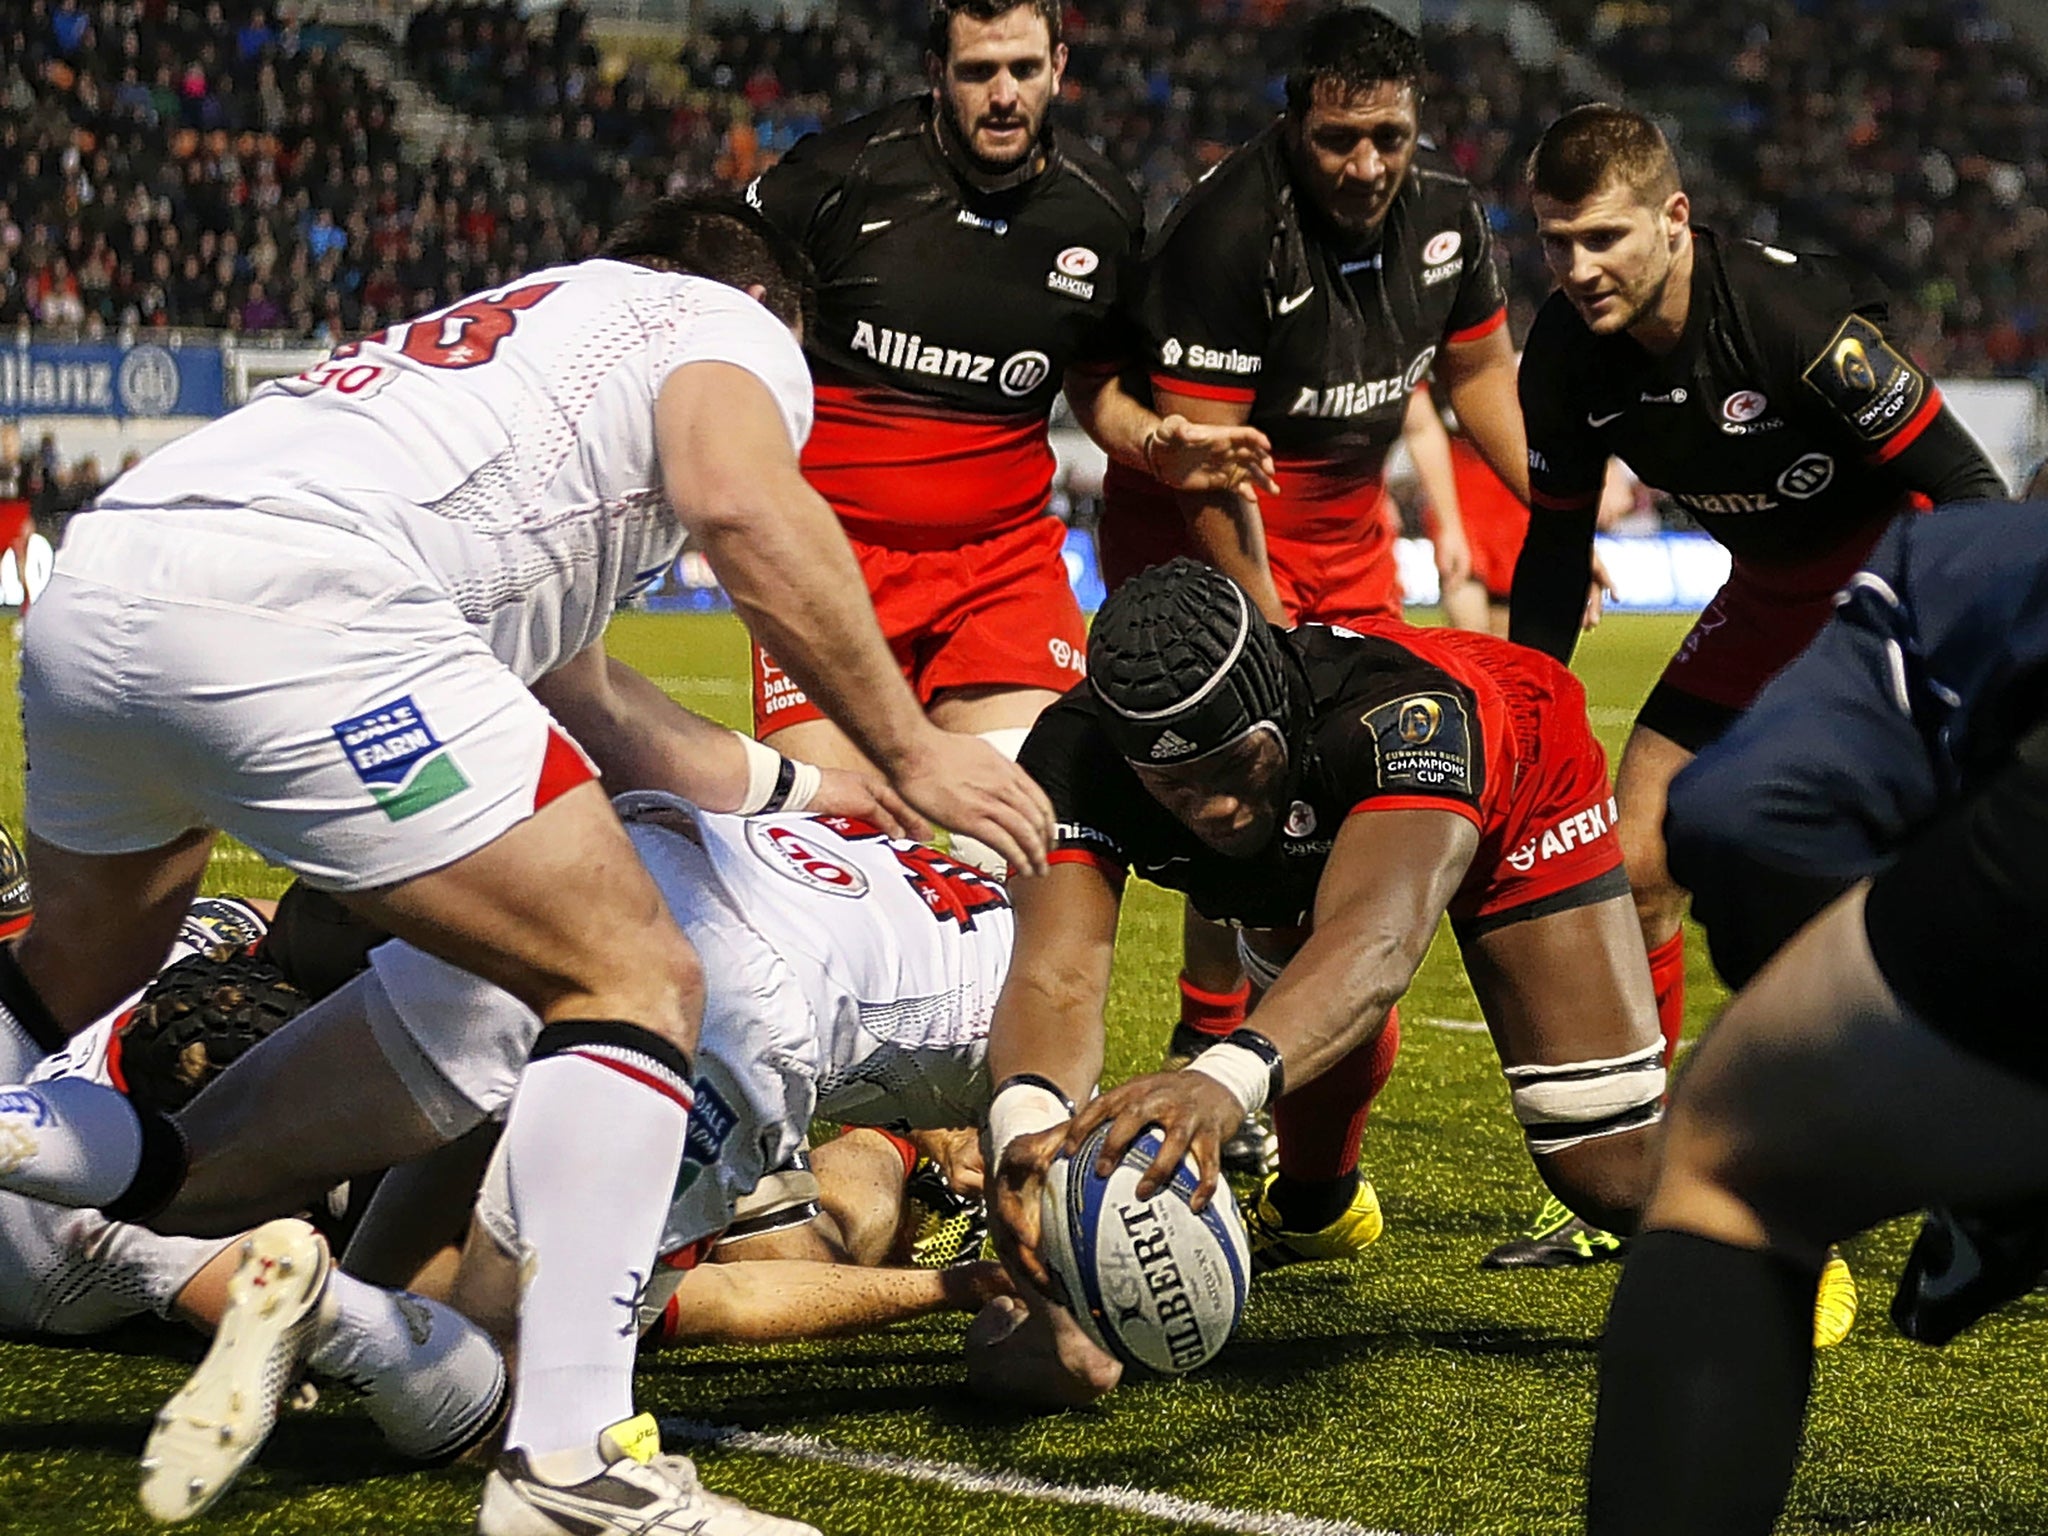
{"points": [[1149, 1280]]}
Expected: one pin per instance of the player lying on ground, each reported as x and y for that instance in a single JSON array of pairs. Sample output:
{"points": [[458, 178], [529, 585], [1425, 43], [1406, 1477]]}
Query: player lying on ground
{"points": [[849, 975], [430, 1380], [1890, 1056], [354, 623], [1335, 794]]}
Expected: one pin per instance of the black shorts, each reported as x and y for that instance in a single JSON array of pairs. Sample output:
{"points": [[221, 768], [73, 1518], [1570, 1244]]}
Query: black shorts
{"points": [[1958, 922]]}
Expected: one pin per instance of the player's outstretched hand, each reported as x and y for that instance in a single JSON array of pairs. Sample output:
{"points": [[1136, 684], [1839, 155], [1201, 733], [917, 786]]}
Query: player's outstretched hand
{"points": [[1196, 458], [1030, 1352], [958, 1154], [843, 792], [966, 785], [1194, 1113], [1013, 1205], [1598, 592]]}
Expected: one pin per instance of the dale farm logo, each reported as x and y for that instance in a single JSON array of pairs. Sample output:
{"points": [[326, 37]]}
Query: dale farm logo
{"points": [[399, 759]]}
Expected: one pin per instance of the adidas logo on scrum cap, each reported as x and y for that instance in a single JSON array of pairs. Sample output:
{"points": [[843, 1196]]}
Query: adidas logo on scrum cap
{"points": [[1170, 745]]}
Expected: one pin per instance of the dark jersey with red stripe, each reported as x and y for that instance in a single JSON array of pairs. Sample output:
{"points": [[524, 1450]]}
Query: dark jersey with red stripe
{"points": [[1778, 421], [1252, 296], [1403, 719], [947, 318]]}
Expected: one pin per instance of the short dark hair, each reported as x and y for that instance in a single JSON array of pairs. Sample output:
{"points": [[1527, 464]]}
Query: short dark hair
{"points": [[1598, 143], [719, 237], [1355, 47], [938, 32]]}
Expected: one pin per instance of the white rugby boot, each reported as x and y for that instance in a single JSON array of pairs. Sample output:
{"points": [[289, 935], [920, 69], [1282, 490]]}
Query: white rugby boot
{"points": [[640, 1493], [220, 1418]]}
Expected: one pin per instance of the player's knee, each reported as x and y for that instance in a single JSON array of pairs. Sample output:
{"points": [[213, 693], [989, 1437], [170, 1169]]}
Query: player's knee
{"points": [[1590, 1127]]}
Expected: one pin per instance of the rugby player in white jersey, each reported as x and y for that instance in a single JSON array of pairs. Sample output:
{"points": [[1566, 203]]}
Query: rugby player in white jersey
{"points": [[342, 623], [431, 1381], [848, 975]]}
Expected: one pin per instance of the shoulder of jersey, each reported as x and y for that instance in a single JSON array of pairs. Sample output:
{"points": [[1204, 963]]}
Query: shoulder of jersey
{"points": [[1557, 325], [839, 146], [1094, 170], [1436, 177], [1216, 205]]}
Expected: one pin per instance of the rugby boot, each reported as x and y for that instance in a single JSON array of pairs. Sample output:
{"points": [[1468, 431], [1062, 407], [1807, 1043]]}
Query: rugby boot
{"points": [[640, 1493], [1556, 1239], [952, 1228], [1274, 1247], [1965, 1265], [220, 1418], [1834, 1302]]}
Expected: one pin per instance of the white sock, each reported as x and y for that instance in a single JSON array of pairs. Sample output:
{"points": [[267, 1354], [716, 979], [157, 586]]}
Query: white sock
{"points": [[579, 1122], [69, 1141], [429, 1376]]}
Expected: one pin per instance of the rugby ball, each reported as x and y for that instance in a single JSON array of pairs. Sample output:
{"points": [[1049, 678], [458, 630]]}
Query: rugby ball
{"points": [[1149, 1280]]}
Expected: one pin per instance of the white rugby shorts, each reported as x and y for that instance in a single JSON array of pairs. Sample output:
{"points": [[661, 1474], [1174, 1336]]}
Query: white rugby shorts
{"points": [[75, 1272], [294, 685]]}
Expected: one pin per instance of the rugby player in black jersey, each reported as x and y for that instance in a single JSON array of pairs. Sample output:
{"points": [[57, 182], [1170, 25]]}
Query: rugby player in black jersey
{"points": [[1333, 795], [970, 259], [1307, 287], [1755, 387], [1890, 1056]]}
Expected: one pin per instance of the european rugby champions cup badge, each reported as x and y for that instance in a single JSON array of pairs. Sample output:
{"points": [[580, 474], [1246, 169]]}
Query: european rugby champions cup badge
{"points": [[400, 760]]}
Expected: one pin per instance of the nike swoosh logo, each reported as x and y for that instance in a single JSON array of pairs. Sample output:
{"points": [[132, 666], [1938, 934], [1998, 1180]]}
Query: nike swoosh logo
{"points": [[1601, 421], [871, 227], [1289, 306]]}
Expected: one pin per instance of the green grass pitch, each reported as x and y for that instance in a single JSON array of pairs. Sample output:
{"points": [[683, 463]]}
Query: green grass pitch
{"points": [[1411, 1393]]}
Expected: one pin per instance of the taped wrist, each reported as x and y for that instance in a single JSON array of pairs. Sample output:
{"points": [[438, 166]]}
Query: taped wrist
{"points": [[1246, 1063], [1562, 1106], [1024, 1105], [774, 782]]}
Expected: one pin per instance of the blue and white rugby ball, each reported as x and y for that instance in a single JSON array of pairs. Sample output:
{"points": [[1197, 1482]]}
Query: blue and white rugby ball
{"points": [[1149, 1280]]}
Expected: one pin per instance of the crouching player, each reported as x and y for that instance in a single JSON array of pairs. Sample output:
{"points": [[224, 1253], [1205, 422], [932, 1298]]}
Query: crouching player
{"points": [[1894, 781], [1333, 794], [849, 975]]}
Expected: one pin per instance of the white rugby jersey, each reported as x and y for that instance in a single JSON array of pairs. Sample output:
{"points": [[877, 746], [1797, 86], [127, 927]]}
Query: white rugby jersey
{"points": [[502, 447]]}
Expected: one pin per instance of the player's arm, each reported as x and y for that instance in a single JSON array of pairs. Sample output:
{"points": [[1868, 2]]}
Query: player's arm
{"points": [[1478, 376], [640, 738], [1565, 467], [1390, 876], [1225, 527], [1187, 456], [1045, 1041], [1429, 447], [1894, 415], [771, 1301], [730, 470]]}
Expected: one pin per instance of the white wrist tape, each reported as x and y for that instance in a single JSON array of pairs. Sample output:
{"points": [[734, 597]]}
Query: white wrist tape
{"points": [[1247, 1074], [1022, 1109], [803, 788], [764, 767]]}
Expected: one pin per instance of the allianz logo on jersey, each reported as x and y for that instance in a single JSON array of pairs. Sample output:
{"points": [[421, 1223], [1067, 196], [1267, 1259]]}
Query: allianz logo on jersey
{"points": [[1020, 373], [1361, 397]]}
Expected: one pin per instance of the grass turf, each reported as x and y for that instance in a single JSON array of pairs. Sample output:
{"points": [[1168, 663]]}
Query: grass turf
{"points": [[1412, 1392]]}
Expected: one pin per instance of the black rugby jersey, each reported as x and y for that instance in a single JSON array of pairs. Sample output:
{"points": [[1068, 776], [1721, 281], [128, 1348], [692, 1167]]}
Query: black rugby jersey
{"points": [[1780, 420], [1253, 296], [947, 314], [1391, 730]]}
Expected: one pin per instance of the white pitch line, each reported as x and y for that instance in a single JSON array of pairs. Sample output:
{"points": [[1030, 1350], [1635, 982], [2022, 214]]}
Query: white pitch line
{"points": [[964, 1479], [1462, 1026]]}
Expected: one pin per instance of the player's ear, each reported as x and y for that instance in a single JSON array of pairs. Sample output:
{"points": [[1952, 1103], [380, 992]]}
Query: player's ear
{"points": [[1059, 66], [935, 71], [1677, 217]]}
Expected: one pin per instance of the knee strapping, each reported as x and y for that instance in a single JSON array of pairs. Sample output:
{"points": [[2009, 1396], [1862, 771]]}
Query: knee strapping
{"points": [[1561, 1106]]}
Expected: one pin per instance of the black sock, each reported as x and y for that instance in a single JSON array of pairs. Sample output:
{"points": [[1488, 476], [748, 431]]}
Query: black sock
{"points": [[1309, 1205], [1703, 1380], [20, 998]]}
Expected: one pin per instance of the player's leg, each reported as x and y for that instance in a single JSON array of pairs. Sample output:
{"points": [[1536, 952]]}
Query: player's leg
{"points": [[818, 741], [1642, 783], [1466, 605], [1815, 1108], [1568, 1001], [1002, 716]]}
